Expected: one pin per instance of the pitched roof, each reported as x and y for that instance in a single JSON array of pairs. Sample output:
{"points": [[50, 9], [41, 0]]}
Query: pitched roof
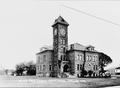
{"points": [[77, 46], [45, 48], [60, 20]]}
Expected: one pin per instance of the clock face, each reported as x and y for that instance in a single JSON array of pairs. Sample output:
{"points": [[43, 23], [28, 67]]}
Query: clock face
{"points": [[55, 31], [62, 31]]}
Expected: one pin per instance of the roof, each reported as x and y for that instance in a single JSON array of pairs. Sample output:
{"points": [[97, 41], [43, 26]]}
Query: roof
{"points": [[44, 51], [90, 46], [61, 21], [45, 48], [77, 46]]}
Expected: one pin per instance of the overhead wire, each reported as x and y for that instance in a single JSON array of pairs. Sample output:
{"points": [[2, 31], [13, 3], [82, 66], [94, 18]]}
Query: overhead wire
{"points": [[91, 15]]}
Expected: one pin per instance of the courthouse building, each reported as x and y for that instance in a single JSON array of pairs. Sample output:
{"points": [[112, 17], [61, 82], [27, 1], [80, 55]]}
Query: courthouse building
{"points": [[62, 58]]}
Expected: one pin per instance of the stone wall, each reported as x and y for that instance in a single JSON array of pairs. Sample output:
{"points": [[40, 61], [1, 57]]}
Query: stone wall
{"points": [[44, 63]]}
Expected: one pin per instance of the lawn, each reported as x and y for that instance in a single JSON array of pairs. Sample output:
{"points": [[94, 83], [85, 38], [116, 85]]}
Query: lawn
{"points": [[33, 81]]}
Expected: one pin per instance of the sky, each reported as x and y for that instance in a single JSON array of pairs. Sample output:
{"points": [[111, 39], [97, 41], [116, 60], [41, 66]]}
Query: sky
{"points": [[25, 26]]}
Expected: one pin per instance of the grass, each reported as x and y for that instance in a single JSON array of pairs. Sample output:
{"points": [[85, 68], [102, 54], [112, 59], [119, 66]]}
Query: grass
{"points": [[33, 81]]}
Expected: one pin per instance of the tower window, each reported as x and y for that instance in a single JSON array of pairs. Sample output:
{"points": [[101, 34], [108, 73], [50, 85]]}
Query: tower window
{"points": [[61, 57], [64, 50], [64, 57], [63, 41]]}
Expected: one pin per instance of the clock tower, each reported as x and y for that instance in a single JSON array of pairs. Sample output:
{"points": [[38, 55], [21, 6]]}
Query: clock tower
{"points": [[60, 46]]}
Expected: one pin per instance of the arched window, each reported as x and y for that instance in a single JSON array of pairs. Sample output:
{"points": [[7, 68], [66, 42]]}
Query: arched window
{"points": [[63, 57], [66, 68]]}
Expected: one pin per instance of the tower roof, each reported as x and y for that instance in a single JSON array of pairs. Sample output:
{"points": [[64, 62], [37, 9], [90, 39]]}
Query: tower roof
{"points": [[61, 21]]}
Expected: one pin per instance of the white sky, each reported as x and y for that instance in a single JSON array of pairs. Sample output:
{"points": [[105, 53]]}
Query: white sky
{"points": [[25, 26]]}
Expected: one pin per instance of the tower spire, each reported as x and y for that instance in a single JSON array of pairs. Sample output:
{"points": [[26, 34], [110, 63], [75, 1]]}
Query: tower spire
{"points": [[60, 20]]}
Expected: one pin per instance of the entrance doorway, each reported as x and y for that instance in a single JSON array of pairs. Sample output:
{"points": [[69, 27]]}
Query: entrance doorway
{"points": [[66, 68]]}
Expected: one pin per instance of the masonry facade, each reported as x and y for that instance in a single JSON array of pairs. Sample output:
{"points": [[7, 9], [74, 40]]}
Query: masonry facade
{"points": [[63, 60]]}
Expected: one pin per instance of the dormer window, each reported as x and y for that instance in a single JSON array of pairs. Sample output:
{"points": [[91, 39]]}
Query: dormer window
{"points": [[90, 48], [72, 47]]}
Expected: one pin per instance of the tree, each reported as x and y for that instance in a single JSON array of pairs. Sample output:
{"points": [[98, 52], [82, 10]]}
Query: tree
{"points": [[20, 68], [29, 67], [104, 60], [83, 73]]}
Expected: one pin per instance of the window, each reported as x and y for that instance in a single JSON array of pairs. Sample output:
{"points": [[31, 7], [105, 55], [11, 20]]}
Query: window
{"points": [[61, 58], [80, 57], [44, 67], [94, 67], [64, 57], [90, 58], [40, 67], [80, 67], [87, 58], [64, 50], [44, 58], [96, 56], [50, 67], [77, 66], [77, 57], [72, 46], [63, 41], [93, 58]]}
